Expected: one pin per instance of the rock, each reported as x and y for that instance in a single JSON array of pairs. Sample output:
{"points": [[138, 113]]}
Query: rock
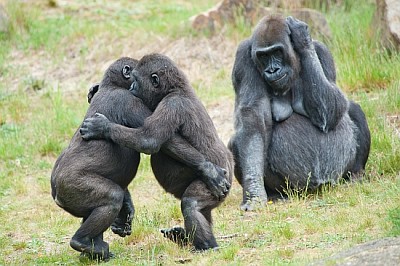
{"points": [[384, 251], [227, 11], [386, 23]]}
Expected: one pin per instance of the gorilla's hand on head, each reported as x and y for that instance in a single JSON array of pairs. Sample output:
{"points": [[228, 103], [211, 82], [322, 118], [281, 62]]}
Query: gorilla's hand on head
{"points": [[299, 34], [96, 127], [215, 179]]}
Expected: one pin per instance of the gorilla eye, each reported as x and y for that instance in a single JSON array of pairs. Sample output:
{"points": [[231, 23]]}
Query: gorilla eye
{"points": [[126, 71], [155, 81]]}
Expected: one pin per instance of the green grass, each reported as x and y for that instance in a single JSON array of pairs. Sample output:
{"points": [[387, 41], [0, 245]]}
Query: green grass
{"points": [[50, 58], [361, 61]]}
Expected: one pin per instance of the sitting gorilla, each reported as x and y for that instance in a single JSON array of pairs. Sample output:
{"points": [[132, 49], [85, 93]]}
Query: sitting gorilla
{"points": [[294, 128]]}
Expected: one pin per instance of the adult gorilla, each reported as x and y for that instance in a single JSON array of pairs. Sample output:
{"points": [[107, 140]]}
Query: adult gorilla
{"points": [[294, 128]]}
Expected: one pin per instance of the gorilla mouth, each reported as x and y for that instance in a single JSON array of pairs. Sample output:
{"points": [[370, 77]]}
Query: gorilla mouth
{"points": [[281, 78], [133, 88]]}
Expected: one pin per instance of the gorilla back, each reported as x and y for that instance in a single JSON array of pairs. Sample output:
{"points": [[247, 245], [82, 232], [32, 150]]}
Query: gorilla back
{"points": [[90, 179]]}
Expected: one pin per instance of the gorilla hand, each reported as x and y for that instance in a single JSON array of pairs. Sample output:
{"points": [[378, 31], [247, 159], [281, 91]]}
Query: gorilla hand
{"points": [[92, 92], [215, 179], [96, 127], [299, 34], [122, 226]]}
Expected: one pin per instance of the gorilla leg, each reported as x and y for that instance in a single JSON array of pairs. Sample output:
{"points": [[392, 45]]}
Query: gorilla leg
{"points": [[108, 197], [197, 203], [248, 147], [363, 138], [123, 223]]}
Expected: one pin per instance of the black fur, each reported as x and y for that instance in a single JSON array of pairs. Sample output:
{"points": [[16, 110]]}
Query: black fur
{"points": [[176, 109], [293, 125], [90, 179]]}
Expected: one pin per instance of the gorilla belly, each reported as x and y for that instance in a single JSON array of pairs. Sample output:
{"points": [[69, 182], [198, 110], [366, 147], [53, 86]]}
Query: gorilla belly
{"points": [[309, 157]]}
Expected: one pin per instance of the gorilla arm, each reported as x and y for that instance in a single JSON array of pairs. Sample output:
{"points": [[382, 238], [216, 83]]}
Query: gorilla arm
{"points": [[253, 125], [151, 138], [322, 101]]}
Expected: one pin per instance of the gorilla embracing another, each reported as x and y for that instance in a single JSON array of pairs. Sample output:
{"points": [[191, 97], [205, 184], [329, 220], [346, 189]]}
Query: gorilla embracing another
{"points": [[175, 108], [294, 128], [90, 178]]}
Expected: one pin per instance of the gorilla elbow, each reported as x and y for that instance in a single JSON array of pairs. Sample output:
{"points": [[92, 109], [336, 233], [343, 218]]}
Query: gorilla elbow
{"points": [[149, 146]]}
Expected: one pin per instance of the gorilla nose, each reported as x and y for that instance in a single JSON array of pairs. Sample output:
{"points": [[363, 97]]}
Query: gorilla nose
{"points": [[273, 70]]}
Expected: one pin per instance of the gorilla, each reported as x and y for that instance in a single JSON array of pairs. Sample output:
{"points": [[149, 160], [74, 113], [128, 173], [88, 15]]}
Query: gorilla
{"points": [[90, 179], [294, 128], [175, 108]]}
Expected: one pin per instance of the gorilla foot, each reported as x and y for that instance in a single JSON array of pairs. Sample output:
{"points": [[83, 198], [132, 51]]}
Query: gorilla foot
{"points": [[95, 257], [176, 234], [356, 176], [251, 204], [94, 250], [121, 228]]}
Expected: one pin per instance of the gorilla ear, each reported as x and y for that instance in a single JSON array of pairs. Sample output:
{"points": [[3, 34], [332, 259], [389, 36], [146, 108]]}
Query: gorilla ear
{"points": [[155, 80], [126, 72], [288, 21]]}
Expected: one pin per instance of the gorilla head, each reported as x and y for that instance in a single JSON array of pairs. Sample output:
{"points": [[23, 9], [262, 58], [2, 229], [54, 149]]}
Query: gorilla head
{"points": [[155, 77], [273, 54], [119, 73]]}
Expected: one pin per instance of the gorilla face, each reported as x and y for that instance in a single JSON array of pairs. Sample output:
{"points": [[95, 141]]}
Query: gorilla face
{"points": [[154, 78], [273, 54], [274, 69], [149, 87]]}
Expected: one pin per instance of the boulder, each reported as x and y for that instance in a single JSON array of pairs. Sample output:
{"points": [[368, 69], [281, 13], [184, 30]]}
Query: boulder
{"points": [[385, 252], [226, 11], [386, 23], [250, 11]]}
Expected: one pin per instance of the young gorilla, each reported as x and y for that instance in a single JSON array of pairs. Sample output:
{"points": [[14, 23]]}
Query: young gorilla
{"points": [[293, 125], [176, 109], [90, 179]]}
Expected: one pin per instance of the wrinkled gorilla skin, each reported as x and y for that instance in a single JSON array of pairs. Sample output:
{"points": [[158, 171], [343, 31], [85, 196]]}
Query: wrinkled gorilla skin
{"points": [[166, 91], [293, 126], [90, 179]]}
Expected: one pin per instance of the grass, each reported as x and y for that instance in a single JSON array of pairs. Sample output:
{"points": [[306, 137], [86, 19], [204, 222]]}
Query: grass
{"points": [[52, 55]]}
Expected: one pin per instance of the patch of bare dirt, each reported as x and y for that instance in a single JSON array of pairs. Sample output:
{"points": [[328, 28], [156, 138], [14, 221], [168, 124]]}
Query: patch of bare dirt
{"points": [[394, 122]]}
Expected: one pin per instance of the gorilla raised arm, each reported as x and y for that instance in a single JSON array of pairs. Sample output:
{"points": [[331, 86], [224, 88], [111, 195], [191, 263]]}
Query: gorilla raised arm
{"points": [[176, 109], [293, 125], [289, 62]]}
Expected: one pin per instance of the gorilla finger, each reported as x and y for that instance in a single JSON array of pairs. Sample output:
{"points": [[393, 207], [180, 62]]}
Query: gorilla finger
{"points": [[227, 185], [224, 171], [100, 115], [289, 19]]}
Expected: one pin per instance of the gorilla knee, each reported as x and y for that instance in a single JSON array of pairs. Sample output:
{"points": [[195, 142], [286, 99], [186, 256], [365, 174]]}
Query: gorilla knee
{"points": [[188, 205]]}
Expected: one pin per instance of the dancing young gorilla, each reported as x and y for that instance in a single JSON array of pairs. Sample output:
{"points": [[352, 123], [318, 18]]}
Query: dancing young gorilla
{"points": [[176, 109], [90, 179], [293, 125]]}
